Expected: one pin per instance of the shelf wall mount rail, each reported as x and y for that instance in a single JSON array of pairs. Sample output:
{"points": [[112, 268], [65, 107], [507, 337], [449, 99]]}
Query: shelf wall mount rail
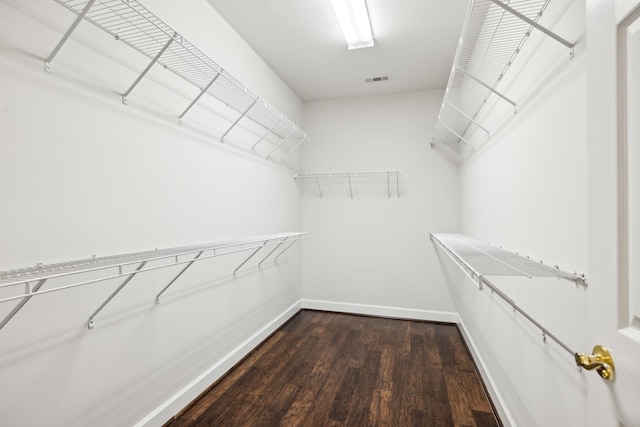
{"points": [[478, 260], [74, 272]]}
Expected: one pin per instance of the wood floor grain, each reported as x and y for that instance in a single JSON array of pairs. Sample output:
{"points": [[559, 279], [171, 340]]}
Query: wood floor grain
{"points": [[330, 369]]}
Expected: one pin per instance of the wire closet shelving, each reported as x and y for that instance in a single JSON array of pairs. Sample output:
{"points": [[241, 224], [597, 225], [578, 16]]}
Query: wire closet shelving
{"points": [[30, 282], [478, 260], [130, 22], [392, 178], [493, 35]]}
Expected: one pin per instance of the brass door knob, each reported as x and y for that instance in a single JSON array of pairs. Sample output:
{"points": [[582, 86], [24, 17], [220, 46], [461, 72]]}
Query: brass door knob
{"points": [[600, 360]]}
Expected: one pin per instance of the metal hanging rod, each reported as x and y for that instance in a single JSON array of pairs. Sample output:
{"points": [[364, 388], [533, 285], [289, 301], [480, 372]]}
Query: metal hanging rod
{"points": [[130, 22], [492, 37], [127, 266], [478, 260], [316, 176]]}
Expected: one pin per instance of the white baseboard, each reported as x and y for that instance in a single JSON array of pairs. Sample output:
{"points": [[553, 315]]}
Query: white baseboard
{"points": [[381, 311], [498, 402], [187, 394]]}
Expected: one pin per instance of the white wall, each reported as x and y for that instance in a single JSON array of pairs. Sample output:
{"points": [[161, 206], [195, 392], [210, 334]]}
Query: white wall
{"points": [[83, 174], [373, 250], [526, 190]]}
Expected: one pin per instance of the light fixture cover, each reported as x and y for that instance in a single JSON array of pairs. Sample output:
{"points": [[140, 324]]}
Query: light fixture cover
{"points": [[353, 18]]}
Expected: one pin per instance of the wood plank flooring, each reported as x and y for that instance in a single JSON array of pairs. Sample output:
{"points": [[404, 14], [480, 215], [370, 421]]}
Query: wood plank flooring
{"points": [[330, 369]]}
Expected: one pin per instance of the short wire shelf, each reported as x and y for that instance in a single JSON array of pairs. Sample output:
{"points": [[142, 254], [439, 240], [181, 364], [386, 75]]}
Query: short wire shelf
{"points": [[392, 178]]}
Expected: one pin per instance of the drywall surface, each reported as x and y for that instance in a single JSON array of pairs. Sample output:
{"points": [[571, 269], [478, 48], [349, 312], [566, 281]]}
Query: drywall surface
{"points": [[372, 249], [81, 174], [526, 190]]}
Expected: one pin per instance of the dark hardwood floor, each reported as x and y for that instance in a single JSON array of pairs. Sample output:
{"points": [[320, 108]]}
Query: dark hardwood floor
{"points": [[330, 369]]}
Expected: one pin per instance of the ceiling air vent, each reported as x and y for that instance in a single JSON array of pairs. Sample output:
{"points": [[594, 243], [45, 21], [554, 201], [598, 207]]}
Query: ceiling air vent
{"points": [[377, 79]]}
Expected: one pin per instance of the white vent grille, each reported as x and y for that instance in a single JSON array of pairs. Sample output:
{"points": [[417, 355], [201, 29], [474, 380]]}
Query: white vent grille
{"points": [[377, 79]]}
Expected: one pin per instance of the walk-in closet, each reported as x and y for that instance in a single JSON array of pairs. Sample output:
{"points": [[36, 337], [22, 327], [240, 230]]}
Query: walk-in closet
{"points": [[247, 213]]}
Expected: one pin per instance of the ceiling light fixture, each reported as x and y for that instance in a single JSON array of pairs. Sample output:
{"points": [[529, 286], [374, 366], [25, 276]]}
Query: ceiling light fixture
{"points": [[353, 18]]}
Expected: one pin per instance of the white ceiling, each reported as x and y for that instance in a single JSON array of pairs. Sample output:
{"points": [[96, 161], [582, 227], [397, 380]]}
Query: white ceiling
{"points": [[300, 39]]}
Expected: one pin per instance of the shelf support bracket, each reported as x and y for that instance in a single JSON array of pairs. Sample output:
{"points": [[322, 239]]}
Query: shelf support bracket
{"points": [[238, 120], [91, 322], [80, 17], [266, 134], [177, 276], [294, 148], [28, 293], [280, 143], [446, 149], [202, 92], [535, 25], [151, 64], [465, 115], [459, 136], [388, 185], [250, 256], [471, 76], [272, 251], [319, 189], [398, 184], [350, 187], [275, 260]]}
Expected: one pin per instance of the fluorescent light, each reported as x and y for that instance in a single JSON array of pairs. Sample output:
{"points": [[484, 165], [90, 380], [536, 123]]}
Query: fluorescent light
{"points": [[354, 22]]}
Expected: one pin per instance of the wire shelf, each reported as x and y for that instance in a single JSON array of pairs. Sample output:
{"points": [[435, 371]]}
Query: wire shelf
{"points": [[71, 274], [130, 22], [479, 260], [493, 35], [387, 175]]}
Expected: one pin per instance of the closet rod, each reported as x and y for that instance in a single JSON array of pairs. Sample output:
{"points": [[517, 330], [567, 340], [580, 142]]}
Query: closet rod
{"points": [[516, 307]]}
